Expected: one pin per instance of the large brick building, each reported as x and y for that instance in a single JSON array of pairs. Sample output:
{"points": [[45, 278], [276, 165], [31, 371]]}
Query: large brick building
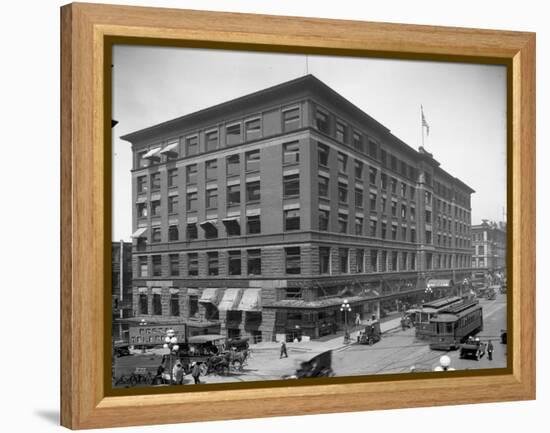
{"points": [[260, 215], [489, 247], [121, 254]]}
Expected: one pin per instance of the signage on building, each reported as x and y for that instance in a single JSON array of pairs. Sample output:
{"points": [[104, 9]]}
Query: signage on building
{"points": [[155, 334]]}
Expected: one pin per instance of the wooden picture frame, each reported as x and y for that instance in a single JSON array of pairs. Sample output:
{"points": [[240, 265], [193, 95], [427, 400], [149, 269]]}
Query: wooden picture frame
{"points": [[85, 211]]}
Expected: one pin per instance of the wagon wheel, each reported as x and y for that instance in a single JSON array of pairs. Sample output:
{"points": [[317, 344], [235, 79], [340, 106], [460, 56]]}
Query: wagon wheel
{"points": [[203, 369], [240, 367]]}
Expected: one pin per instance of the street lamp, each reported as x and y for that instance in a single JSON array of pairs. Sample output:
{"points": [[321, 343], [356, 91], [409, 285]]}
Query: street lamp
{"points": [[171, 343], [345, 307], [444, 364]]}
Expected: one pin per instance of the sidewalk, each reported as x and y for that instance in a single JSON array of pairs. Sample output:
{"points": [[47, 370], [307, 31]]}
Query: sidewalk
{"points": [[335, 342]]}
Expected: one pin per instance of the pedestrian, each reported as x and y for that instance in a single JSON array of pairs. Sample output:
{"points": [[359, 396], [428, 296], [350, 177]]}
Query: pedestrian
{"points": [[283, 350], [158, 380], [357, 319], [178, 373], [490, 349], [196, 372]]}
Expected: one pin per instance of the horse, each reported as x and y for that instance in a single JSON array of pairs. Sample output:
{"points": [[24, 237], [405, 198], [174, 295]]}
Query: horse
{"points": [[238, 358], [219, 363]]}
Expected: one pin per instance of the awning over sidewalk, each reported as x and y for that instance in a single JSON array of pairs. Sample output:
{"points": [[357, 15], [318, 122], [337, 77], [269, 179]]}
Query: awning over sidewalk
{"points": [[171, 149], [230, 300], [153, 153], [251, 300], [139, 232], [440, 283], [209, 295]]}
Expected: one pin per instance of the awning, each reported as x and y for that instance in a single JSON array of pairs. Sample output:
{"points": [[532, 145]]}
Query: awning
{"points": [[440, 283], [230, 299], [251, 300], [210, 296], [209, 225], [141, 199], [153, 153], [172, 148], [139, 232]]}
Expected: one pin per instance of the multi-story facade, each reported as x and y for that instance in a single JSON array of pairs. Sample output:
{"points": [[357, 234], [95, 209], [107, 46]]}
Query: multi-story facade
{"points": [[121, 255], [261, 215], [489, 247]]}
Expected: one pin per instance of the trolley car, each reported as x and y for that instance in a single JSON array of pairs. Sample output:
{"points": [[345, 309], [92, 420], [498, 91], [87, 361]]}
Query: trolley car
{"points": [[453, 325], [428, 310]]}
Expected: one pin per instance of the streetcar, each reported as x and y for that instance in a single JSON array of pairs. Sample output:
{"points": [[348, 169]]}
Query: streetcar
{"points": [[427, 310], [454, 324]]}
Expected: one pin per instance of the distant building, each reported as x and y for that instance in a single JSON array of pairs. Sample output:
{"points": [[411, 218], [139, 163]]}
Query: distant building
{"points": [[121, 288], [259, 216], [489, 246]]}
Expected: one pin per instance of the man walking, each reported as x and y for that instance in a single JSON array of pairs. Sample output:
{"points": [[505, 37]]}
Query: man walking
{"points": [[283, 350], [178, 373], [196, 372], [490, 349]]}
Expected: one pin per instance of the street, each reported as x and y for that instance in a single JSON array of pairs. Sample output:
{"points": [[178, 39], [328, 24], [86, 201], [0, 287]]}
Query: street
{"points": [[397, 352]]}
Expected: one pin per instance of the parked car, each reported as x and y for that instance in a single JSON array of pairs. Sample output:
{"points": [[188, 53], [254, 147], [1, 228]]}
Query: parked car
{"points": [[473, 348], [371, 334]]}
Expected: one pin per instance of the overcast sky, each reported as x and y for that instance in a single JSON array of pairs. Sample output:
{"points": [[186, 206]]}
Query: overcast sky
{"points": [[465, 106]]}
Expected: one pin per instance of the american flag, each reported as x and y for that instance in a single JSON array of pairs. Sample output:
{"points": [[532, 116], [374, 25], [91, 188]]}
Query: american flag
{"points": [[424, 123]]}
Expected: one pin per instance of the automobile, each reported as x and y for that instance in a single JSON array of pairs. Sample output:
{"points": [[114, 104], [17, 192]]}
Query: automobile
{"points": [[491, 294], [318, 366], [371, 334], [121, 349], [473, 348]]}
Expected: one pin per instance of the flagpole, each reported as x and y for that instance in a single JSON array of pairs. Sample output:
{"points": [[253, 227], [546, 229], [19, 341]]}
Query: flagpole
{"points": [[422, 125]]}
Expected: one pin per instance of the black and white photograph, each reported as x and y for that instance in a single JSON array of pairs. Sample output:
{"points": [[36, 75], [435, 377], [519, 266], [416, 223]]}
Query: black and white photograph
{"points": [[290, 216]]}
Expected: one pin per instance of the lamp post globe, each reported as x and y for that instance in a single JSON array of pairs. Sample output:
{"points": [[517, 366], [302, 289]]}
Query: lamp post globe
{"points": [[445, 361]]}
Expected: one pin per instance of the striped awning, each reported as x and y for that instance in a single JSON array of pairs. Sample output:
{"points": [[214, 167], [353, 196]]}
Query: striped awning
{"points": [[209, 295], [153, 153], [171, 148], [139, 232], [251, 300], [230, 300]]}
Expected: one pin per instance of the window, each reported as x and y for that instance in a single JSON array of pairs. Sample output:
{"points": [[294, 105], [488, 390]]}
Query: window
{"points": [[233, 165], [428, 198], [403, 189], [403, 211], [394, 232], [254, 262], [155, 208], [193, 306], [192, 264], [232, 226], [372, 199], [252, 160], [413, 261], [372, 175], [143, 268], [383, 158], [155, 181], [155, 234], [291, 119], [393, 208], [253, 191], [291, 185], [359, 226], [358, 141], [393, 162], [174, 265], [157, 266], [323, 152], [359, 261], [394, 261], [403, 233], [394, 185], [428, 260], [342, 192], [374, 260], [212, 198], [233, 195], [342, 163], [234, 263], [383, 230], [344, 260], [212, 258], [191, 231], [428, 237], [342, 222], [173, 233], [211, 169], [341, 132], [358, 170], [141, 161], [429, 218], [143, 304], [191, 174], [210, 229], [373, 227], [293, 293], [292, 260], [413, 213], [253, 129], [142, 210], [233, 134], [323, 186], [253, 224], [173, 204], [324, 260], [174, 304], [191, 201], [373, 149], [383, 202], [323, 219], [481, 250], [292, 219], [384, 181], [172, 177], [141, 184], [192, 145], [383, 261], [291, 152], [321, 121], [211, 140]]}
